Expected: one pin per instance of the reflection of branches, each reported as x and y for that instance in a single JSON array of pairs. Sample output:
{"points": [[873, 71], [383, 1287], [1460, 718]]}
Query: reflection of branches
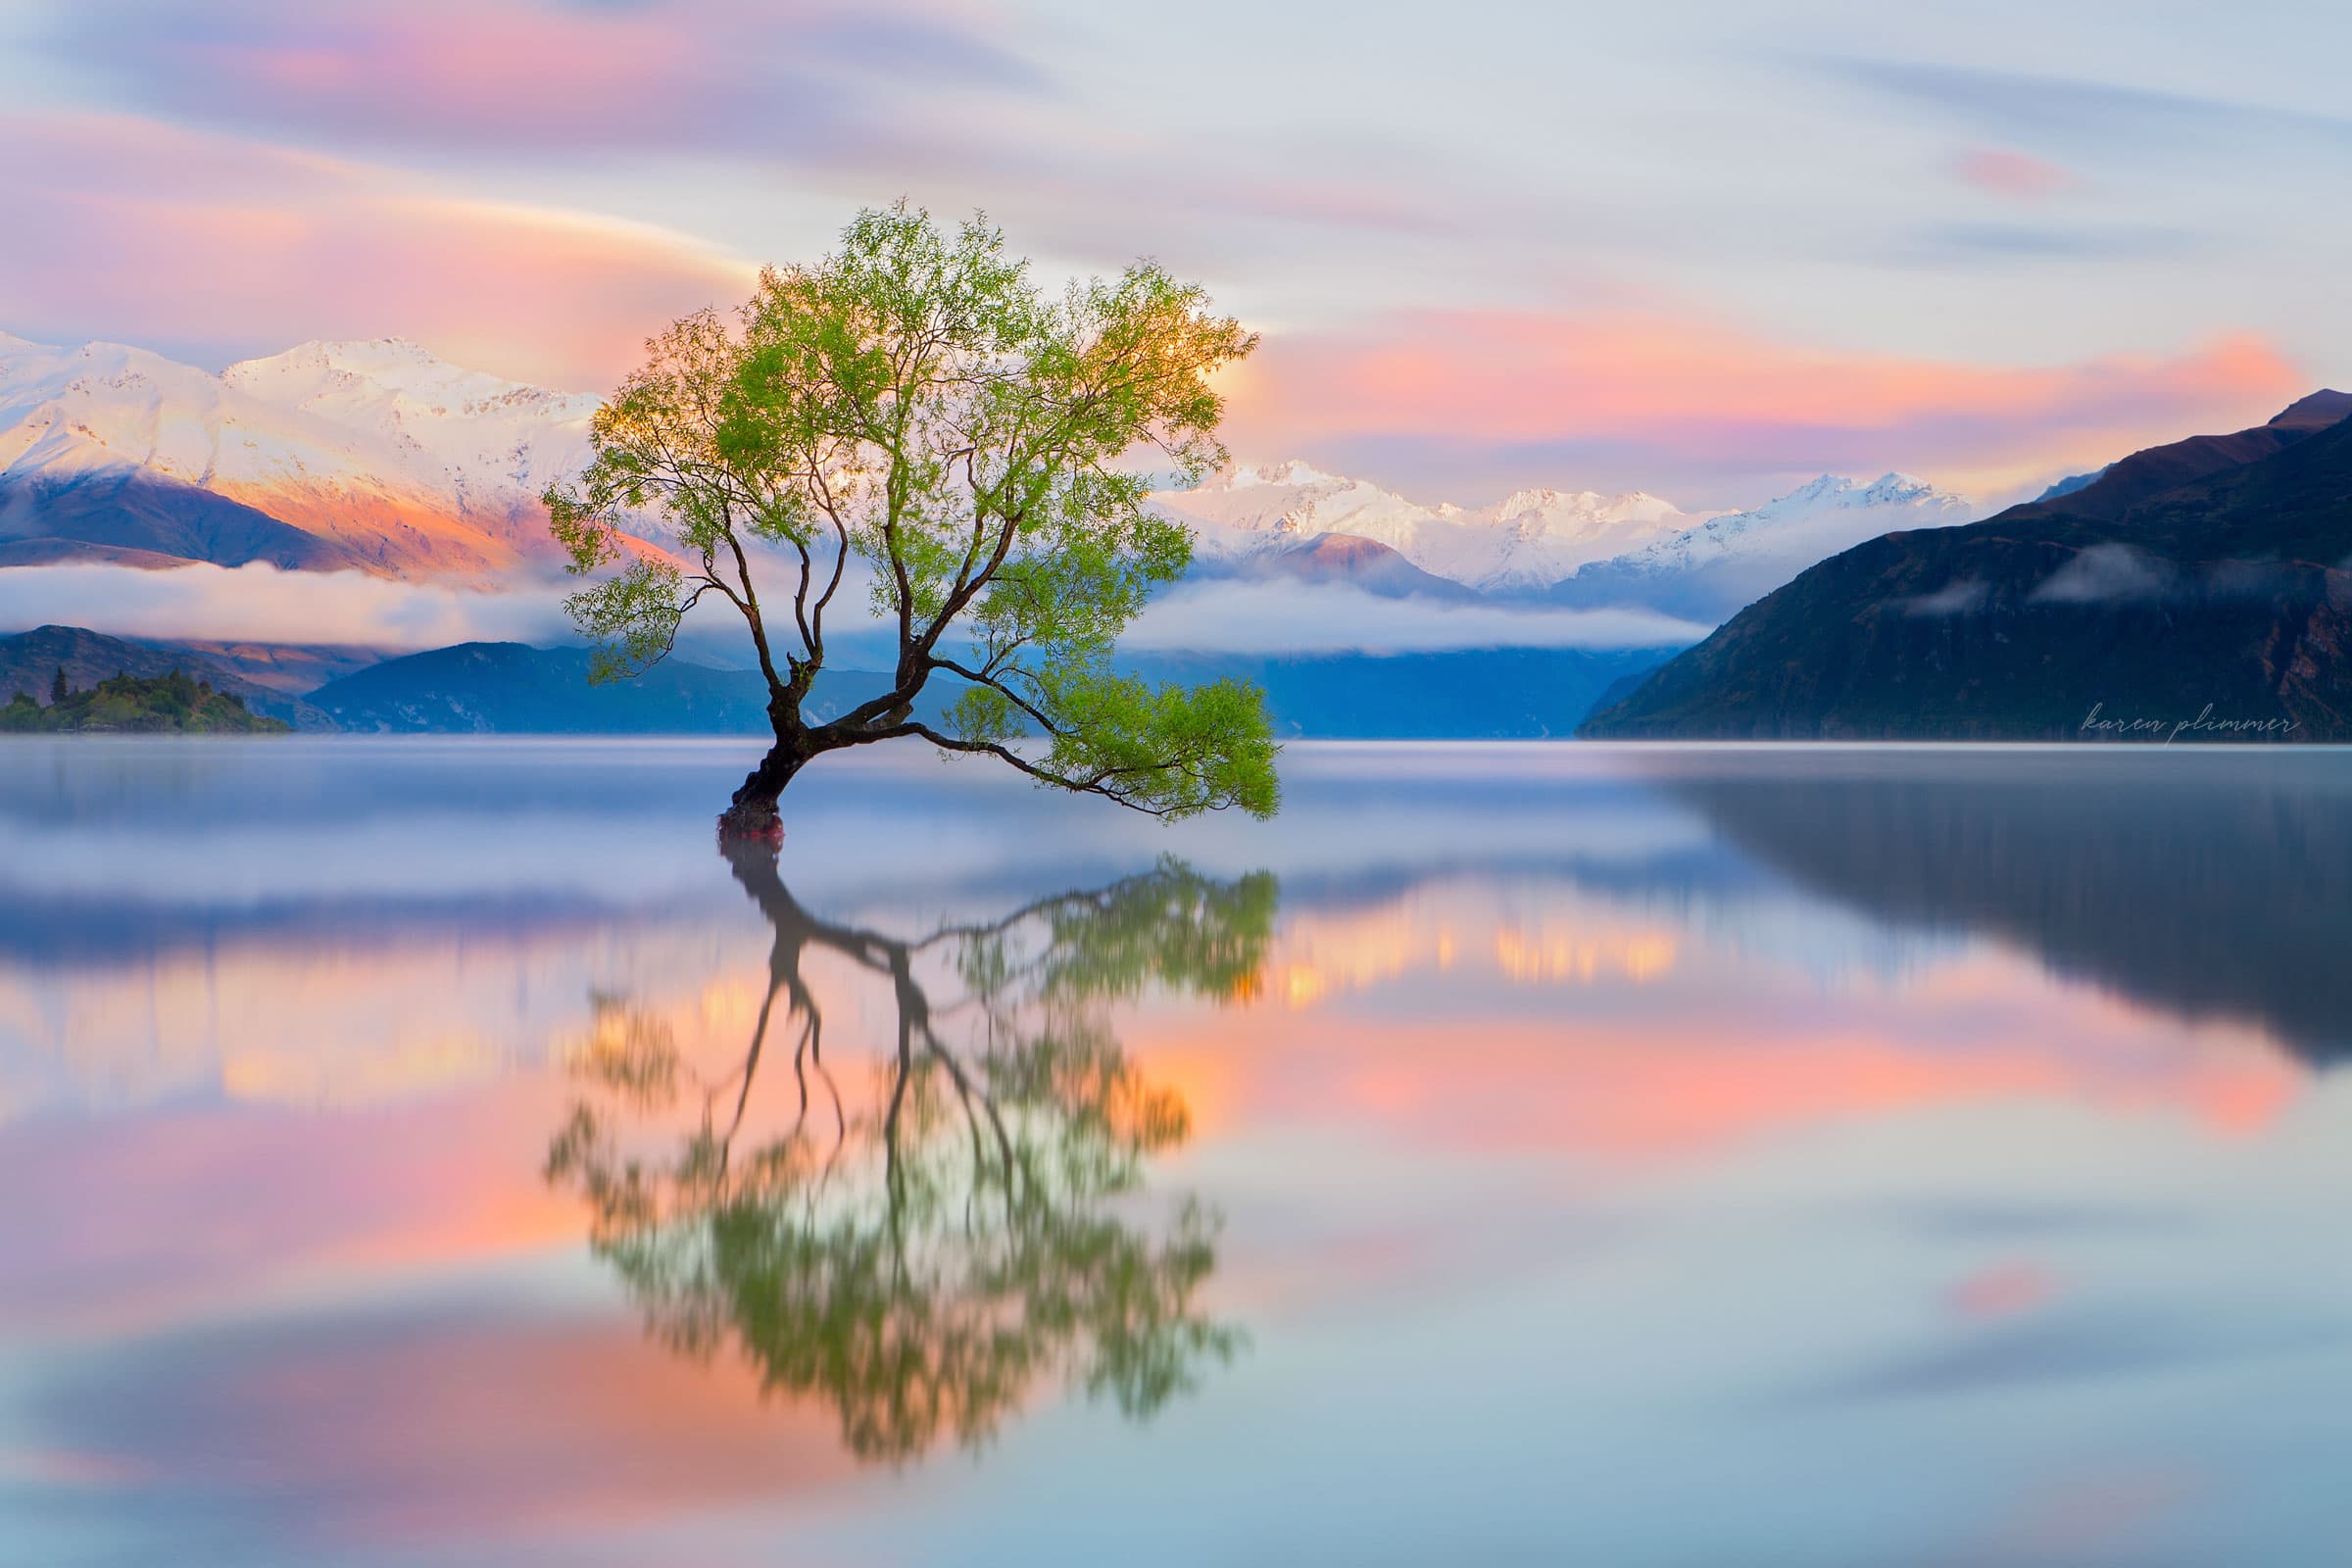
{"points": [[923, 1261]]}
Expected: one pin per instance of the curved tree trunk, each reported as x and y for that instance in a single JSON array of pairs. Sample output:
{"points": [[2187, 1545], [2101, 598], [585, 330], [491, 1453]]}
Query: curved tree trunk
{"points": [[752, 814]]}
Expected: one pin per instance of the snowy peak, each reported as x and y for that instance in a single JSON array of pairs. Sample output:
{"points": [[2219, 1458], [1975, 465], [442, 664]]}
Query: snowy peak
{"points": [[1580, 503], [394, 373], [1810, 524], [1292, 475], [1893, 489], [69, 410], [1531, 538], [400, 459], [1831, 490], [1542, 500], [367, 357], [1631, 547], [475, 440], [1826, 487]]}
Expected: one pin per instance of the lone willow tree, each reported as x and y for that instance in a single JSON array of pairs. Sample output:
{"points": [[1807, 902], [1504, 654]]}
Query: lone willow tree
{"points": [[916, 420]]}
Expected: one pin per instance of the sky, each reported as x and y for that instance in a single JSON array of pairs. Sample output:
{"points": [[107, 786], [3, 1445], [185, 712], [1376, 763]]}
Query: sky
{"points": [[1701, 249]]}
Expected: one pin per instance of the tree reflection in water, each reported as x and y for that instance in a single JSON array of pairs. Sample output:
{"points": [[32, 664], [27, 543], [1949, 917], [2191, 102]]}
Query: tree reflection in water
{"points": [[921, 1258]]}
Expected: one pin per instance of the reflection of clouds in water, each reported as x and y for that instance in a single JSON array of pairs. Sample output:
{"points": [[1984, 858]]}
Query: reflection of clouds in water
{"points": [[1969, 1218], [1532, 930], [1699, 1072], [478, 1414], [2001, 1289], [1851, 1179], [2099, 1513], [2083, 1342], [190, 1212], [312, 1012], [1771, 923]]}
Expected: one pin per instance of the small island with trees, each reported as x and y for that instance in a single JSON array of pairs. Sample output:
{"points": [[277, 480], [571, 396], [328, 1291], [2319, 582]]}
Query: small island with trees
{"points": [[132, 705]]}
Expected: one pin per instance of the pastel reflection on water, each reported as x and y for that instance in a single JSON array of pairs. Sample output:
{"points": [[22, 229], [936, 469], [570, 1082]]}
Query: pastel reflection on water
{"points": [[435, 1152]]}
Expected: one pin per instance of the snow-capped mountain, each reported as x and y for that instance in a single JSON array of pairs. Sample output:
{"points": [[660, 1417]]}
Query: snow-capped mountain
{"points": [[1573, 546], [381, 457], [1529, 540], [1714, 569], [372, 455]]}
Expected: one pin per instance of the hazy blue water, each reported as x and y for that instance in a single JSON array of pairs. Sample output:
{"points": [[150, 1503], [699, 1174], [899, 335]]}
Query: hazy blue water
{"points": [[1518, 1154]]}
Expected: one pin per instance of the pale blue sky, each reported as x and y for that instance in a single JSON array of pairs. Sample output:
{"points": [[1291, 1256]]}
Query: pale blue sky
{"points": [[2020, 234]]}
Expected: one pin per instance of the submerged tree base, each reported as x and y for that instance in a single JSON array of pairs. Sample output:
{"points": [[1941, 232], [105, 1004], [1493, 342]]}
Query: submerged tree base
{"points": [[750, 816], [753, 821]]}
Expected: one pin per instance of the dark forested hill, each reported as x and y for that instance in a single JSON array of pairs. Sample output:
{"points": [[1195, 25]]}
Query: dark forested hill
{"points": [[30, 659], [173, 703], [2207, 574]]}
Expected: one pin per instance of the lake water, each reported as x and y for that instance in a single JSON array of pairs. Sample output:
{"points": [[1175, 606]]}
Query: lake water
{"points": [[435, 1152]]}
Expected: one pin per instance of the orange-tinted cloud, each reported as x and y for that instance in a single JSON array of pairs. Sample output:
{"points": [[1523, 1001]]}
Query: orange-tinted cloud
{"points": [[150, 233], [1488, 389]]}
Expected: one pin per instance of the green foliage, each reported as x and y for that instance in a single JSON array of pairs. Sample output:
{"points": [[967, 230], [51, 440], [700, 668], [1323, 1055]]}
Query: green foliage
{"points": [[634, 616], [170, 704], [923, 1260], [916, 403]]}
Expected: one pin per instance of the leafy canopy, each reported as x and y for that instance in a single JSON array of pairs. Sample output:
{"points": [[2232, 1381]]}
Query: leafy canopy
{"points": [[916, 405]]}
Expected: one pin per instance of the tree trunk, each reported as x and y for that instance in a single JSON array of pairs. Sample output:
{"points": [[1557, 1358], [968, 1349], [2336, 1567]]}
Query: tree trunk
{"points": [[753, 813]]}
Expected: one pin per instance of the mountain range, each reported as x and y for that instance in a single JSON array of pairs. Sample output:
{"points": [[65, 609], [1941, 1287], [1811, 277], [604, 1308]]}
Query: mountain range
{"points": [[1528, 540], [2211, 571], [511, 688], [1709, 571], [2205, 584], [1577, 549], [381, 458]]}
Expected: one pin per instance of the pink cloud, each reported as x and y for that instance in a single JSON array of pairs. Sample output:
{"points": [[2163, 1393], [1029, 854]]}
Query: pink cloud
{"points": [[558, 76], [1488, 387], [151, 233], [2005, 171], [2003, 1289]]}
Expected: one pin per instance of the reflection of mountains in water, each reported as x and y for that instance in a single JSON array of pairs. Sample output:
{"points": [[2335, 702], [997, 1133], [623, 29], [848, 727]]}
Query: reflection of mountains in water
{"points": [[2207, 886]]}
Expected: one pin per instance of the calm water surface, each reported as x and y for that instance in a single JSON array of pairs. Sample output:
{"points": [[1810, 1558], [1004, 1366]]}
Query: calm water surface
{"points": [[438, 1152]]}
